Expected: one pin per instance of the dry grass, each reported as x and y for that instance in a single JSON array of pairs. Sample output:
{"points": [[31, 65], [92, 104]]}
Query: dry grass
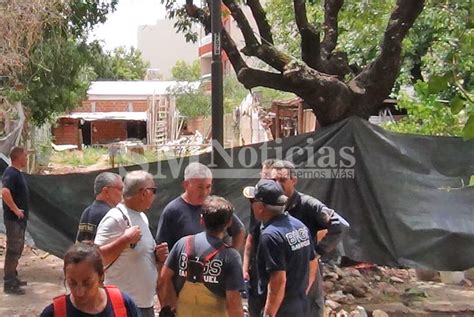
{"points": [[22, 24]]}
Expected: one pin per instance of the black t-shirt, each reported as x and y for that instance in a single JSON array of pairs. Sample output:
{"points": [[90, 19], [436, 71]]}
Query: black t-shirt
{"points": [[286, 245], [180, 219], [15, 181], [132, 310], [90, 219], [222, 273]]}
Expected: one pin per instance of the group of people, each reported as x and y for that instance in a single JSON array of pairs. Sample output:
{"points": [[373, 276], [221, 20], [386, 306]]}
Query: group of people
{"points": [[192, 262]]}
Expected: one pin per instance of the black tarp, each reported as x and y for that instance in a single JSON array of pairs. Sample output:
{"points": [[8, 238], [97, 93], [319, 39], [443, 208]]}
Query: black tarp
{"points": [[406, 197]]}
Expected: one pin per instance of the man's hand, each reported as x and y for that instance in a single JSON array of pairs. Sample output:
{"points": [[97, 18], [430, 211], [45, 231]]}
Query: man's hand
{"points": [[246, 275], [161, 252], [20, 213], [132, 234]]}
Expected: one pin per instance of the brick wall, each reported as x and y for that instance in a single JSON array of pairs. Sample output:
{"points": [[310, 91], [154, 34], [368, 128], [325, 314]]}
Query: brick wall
{"points": [[66, 131], [112, 106], [108, 131]]}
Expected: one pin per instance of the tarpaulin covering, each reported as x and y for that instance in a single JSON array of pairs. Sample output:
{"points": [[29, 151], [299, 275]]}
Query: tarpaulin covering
{"points": [[406, 197]]}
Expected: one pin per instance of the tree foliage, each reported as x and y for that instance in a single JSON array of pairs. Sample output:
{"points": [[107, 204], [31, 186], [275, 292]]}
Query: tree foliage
{"points": [[121, 64], [345, 57], [437, 51], [194, 100], [322, 74], [183, 71], [54, 77]]}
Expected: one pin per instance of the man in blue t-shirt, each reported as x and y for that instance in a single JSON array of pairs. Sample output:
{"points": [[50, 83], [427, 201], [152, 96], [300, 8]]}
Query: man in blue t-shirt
{"points": [[318, 218], [285, 254], [108, 189], [202, 276], [182, 216], [15, 215]]}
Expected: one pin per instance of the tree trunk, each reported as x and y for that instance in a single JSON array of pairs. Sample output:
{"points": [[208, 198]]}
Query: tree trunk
{"points": [[319, 79]]}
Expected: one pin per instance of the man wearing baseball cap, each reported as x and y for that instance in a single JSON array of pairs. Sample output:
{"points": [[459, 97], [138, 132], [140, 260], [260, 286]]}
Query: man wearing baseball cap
{"points": [[285, 254]]}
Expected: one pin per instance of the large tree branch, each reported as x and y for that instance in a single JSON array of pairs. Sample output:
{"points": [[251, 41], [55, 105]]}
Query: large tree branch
{"points": [[260, 17], [265, 52], [310, 48], [331, 11], [251, 78], [375, 82], [250, 40], [232, 52]]}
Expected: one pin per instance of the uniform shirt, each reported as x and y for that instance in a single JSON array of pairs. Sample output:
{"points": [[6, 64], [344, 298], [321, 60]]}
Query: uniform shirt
{"points": [[285, 245], [132, 310], [15, 181], [317, 216], [180, 219], [90, 219], [223, 273], [134, 271]]}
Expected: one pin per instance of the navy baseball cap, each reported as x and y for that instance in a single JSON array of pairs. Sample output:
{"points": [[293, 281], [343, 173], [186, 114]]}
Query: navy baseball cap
{"points": [[267, 191]]}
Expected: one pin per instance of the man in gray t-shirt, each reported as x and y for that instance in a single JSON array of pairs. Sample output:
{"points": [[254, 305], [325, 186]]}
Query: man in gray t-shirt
{"points": [[202, 274]]}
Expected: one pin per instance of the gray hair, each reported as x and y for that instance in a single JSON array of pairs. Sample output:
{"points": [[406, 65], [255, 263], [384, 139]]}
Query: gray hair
{"points": [[103, 180], [277, 210], [284, 164], [135, 181], [197, 170]]}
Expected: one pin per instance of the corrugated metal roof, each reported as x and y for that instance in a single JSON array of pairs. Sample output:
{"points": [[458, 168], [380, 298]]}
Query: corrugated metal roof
{"points": [[93, 116], [134, 88]]}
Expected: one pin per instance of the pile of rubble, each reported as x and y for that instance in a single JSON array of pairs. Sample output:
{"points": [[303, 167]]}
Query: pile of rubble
{"points": [[370, 290]]}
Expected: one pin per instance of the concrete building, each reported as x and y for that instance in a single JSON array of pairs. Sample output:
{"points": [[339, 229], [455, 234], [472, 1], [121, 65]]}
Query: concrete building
{"points": [[162, 47]]}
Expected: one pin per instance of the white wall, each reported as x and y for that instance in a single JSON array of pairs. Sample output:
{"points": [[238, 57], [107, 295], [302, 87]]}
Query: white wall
{"points": [[162, 47]]}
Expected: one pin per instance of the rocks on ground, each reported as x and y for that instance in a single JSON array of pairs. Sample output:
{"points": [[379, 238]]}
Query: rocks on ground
{"points": [[372, 290]]}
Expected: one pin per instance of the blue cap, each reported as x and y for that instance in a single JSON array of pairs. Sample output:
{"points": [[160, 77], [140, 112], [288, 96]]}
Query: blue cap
{"points": [[267, 191]]}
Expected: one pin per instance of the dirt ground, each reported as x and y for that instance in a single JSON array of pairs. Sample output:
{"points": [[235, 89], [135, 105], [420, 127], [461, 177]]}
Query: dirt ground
{"points": [[397, 292], [43, 272]]}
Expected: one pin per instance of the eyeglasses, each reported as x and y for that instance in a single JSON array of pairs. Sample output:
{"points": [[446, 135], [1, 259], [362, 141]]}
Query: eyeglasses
{"points": [[152, 189]]}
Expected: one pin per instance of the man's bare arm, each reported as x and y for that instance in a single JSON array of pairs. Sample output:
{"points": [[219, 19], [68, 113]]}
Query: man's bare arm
{"points": [[313, 269], [112, 250], [238, 240], [276, 293], [247, 252], [165, 290], [234, 304]]}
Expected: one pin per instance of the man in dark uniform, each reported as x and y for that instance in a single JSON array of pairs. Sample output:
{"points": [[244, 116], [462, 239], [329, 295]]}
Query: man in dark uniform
{"points": [[182, 216], [255, 301], [202, 276], [108, 189], [317, 217], [15, 215], [285, 255]]}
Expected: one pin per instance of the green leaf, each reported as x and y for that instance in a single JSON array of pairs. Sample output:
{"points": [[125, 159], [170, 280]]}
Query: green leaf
{"points": [[437, 84], [456, 104], [468, 131]]}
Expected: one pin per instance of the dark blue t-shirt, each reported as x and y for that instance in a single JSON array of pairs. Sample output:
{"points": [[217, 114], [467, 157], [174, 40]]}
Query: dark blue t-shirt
{"points": [[180, 219], [285, 245], [130, 306], [15, 181], [90, 219], [222, 273]]}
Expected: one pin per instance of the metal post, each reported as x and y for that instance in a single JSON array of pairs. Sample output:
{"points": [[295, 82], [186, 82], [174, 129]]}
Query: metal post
{"points": [[216, 75]]}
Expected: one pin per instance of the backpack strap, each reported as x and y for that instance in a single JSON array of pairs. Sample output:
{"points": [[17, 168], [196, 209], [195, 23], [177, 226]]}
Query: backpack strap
{"points": [[116, 298], [59, 306]]}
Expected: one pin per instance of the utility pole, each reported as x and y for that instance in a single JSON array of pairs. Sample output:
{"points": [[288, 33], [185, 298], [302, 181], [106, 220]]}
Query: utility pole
{"points": [[217, 99]]}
